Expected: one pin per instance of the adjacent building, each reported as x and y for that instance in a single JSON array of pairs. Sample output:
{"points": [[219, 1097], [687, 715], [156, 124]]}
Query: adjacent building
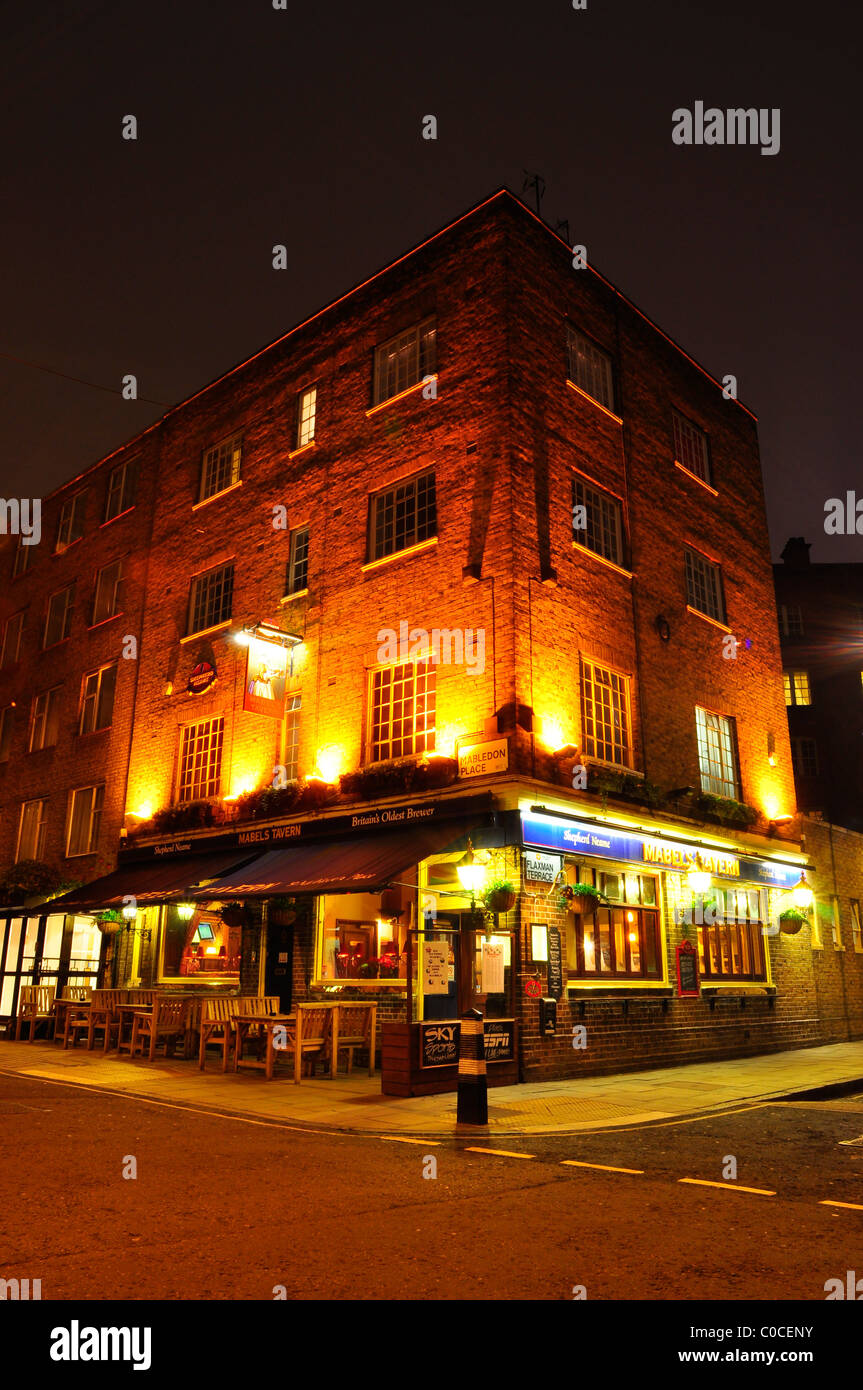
{"points": [[463, 584]]}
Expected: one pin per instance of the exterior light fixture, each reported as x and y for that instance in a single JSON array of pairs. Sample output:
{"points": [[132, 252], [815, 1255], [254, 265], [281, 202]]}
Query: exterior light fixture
{"points": [[329, 763], [470, 871], [698, 879], [185, 911], [801, 894], [130, 912]]}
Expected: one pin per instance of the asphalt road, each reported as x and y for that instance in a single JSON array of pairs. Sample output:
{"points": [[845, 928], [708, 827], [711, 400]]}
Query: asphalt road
{"points": [[232, 1209]]}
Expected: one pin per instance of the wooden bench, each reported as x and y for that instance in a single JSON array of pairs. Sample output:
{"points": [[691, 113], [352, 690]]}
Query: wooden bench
{"points": [[354, 1028], [35, 1006], [167, 1023]]}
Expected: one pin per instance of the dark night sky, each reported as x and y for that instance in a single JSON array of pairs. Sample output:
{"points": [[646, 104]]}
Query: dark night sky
{"points": [[259, 126]]}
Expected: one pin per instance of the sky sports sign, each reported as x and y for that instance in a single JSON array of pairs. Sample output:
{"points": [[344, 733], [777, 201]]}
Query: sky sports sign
{"points": [[573, 837]]}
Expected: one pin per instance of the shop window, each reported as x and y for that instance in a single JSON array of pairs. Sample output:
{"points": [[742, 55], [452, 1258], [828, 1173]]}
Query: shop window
{"points": [[44, 719], [730, 934], [797, 690], [71, 527], [363, 936], [85, 951], [120, 494], [201, 947], [31, 830], [11, 644], [97, 699], [605, 714], [58, 620], [717, 753], [405, 360], [108, 597], [690, 447], [402, 516], [589, 368], [306, 414], [220, 468], [402, 711], [210, 599], [201, 760], [621, 941], [85, 818]]}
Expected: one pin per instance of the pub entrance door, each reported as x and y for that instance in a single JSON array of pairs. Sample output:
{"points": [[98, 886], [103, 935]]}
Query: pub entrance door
{"points": [[278, 965]]}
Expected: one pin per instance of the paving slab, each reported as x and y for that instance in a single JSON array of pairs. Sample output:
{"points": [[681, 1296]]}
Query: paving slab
{"points": [[354, 1104]]}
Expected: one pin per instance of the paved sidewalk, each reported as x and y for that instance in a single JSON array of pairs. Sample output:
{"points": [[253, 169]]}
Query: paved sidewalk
{"points": [[355, 1105]]}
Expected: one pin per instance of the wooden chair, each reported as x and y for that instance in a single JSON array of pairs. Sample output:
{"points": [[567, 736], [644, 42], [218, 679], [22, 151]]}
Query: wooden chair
{"points": [[165, 1024], [99, 1015], [72, 994], [217, 1027], [354, 1029], [35, 1006], [308, 1038]]}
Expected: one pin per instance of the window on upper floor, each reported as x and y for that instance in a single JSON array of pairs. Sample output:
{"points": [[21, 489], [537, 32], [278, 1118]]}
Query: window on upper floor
{"points": [[717, 754], [804, 757], [97, 699], [32, 825], [85, 819], [606, 717], [120, 492], [589, 368], [293, 714], [44, 719], [71, 527], [297, 578], [306, 414], [690, 447], [7, 716], [597, 521], [210, 599], [200, 762], [405, 360], [108, 595], [856, 931], [402, 516], [797, 690], [220, 468], [402, 708], [704, 586], [58, 620], [23, 557], [10, 647], [791, 620]]}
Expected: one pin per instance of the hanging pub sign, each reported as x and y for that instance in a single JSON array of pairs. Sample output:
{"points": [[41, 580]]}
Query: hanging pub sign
{"points": [[687, 971], [555, 963], [266, 672], [201, 678]]}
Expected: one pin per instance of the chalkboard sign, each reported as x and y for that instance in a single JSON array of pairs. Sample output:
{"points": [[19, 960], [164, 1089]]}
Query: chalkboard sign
{"points": [[439, 1044], [499, 1040], [555, 963], [687, 970]]}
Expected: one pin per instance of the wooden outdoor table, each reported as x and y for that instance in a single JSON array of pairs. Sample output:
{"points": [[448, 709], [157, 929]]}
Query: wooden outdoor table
{"points": [[244, 1023]]}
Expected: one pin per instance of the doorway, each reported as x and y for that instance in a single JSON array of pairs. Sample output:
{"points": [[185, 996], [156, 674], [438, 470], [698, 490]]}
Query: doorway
{"points": [[279, 965]]}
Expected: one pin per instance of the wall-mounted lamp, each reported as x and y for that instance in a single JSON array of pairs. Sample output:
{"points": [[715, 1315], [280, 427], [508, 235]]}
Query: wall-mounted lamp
{"points": [[698, 879], [801, 894]]}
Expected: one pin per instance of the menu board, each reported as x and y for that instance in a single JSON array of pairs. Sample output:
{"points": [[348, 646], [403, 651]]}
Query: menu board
{"points": [[687, 970], [555, 963]]}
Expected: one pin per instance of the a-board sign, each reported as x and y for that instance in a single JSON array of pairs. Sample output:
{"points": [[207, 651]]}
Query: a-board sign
{"points": [[687, 970], [555, 963], [439, 1042]]}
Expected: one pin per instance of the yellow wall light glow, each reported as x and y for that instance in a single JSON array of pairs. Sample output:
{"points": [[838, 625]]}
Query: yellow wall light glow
{"points": [[330, 761], [552, 734]]}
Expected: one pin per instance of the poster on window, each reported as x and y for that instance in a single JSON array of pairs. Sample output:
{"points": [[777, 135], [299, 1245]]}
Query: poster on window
{"points": [[492, 967], [435, 967], [266, 672]]}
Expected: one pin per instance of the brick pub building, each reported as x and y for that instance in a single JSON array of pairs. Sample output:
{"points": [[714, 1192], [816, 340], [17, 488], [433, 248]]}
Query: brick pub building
{"points": [[465, 577]]}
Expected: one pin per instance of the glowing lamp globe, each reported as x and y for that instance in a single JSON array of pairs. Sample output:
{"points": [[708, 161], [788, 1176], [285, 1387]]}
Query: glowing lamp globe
{"points": [[801, 894]]}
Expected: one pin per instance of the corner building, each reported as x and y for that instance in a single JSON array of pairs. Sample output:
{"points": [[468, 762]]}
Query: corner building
{"points": [[463, 585]]}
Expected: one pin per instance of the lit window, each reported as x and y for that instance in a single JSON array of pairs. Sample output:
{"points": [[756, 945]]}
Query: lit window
{"points": [[298, 564], [44, 719], [405, 360], [85, 818], [210, 599], [120, 494], [717, 757], [71, 526], [97, 699], [58, 621], [603, 530], [704, 586], [292, 736], [835, 924], [797, 690], [221, 467], [617, 942], [590, 368], [200, 760], [306, 416], [403, 711], [690, 447], [804, 757], [791, 620], [730, 934], [6, 718], [605, 714], [11, 644], [402, 516], [108, 598], [856, 931], [31, 830]]}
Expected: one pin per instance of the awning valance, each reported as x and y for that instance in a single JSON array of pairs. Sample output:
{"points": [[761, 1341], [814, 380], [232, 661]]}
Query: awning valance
{"points": [[156, 881], [358, 865]]}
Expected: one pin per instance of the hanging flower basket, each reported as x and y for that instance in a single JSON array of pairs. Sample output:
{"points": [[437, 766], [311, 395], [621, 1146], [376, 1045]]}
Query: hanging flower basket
{"points": [[500, 900], [109, 923], [582, 898], [791, 920], [235, 915]]}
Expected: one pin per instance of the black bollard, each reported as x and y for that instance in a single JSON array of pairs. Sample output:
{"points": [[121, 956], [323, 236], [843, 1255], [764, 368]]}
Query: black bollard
{"points": [[472, 1105]]}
